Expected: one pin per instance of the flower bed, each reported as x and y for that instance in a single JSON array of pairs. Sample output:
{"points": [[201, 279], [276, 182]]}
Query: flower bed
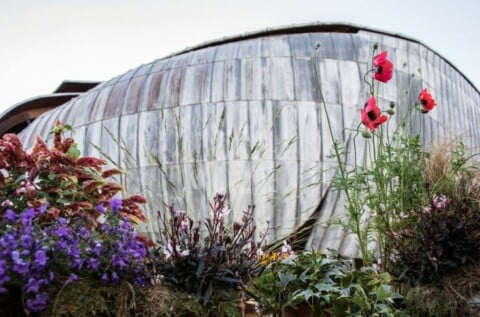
{"points": [[68, 243]]}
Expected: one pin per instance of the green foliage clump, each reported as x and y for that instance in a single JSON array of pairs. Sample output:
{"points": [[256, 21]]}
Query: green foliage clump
{"points": [[329, 284]]}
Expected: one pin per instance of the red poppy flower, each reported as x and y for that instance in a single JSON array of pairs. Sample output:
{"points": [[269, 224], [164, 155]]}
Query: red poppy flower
{"points": [[383, 67], [371, 115], [426, 100]]}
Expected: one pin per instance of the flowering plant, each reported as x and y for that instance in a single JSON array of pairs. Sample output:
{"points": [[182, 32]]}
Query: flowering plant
{"points": [[389, 182], [223, 257], [438, 238], [414, 211], [35, 255], [273, 256], [72, 186], [59, 218]]}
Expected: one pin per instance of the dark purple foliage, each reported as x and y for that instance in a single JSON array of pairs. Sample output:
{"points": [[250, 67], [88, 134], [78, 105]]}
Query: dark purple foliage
{"points": [[435, 241], [225, 256]]}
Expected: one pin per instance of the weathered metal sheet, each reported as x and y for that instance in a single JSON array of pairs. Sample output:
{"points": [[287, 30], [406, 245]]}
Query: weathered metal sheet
{"points": [[244, 117]]}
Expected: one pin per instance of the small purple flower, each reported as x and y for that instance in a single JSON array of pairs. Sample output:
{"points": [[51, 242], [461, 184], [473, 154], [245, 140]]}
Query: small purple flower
{"points": [[3, 267], [84, 233], [118, 261], [62, 244], [93, 263], [42, 209], [72, 278], [105, 227], [62, 232], [100, 208], [27, 216], [115, 277], [10, 215], [25, 253], [4, 280], [41, 258], [33, 285], [97, 249], [116, 204], [126, 225], [8, 241], [19, 265], [104, 278], [140, 280], [38, 303], [77, 263], [74, 250], [25, 240]]}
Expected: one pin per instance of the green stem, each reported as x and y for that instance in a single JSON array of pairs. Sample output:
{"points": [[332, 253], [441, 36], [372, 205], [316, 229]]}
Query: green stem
{"points": [[352, 210]]}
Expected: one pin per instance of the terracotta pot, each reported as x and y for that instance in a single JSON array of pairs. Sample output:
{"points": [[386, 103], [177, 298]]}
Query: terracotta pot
{"points": [[302, 310], [249, 309]]}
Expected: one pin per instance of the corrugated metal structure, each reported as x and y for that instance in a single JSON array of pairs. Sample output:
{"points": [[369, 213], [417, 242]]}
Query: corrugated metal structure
{"points": [[242, 115]]}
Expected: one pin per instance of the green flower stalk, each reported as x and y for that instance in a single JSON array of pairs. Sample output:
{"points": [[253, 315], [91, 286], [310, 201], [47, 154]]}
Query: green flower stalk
{"points": [[390, 181]]}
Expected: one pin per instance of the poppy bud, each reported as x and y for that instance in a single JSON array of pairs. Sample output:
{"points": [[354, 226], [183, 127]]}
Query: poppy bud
{"points": [[366, 134], [390, 112], [392, 104], [317, 46], [375, 46]]}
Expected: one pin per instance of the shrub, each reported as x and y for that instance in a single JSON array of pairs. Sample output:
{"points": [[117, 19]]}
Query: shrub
{"points": [[437, 239], [71, 185], [59, 220], [329, 284], [202, 262]]}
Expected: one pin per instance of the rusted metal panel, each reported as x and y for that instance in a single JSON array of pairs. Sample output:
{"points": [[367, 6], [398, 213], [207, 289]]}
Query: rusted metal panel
{"points": [[98, 109], [115, 100], [132, 96]]}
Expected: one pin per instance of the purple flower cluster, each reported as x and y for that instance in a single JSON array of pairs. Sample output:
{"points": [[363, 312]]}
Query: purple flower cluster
{"points": [[24, 256], [111, 252], [31, 252]]}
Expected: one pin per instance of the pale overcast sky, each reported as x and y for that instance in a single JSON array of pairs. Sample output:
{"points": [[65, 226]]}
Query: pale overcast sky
{"points": [[44, 42]]}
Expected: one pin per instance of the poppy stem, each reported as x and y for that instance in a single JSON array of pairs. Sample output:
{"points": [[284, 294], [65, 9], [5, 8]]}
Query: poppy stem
{"points": [[353, 210], [370, 85]]}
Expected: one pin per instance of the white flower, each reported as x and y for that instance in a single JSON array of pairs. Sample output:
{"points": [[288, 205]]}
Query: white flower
{"points": [[168, 251], [101, 219], [259, 253], [286, 249], [6, 203], [184, 253], [225, 211], [440, 201]]}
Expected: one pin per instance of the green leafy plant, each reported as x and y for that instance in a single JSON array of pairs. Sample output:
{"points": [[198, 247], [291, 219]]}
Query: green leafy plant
{"points": [[329, 284]]}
